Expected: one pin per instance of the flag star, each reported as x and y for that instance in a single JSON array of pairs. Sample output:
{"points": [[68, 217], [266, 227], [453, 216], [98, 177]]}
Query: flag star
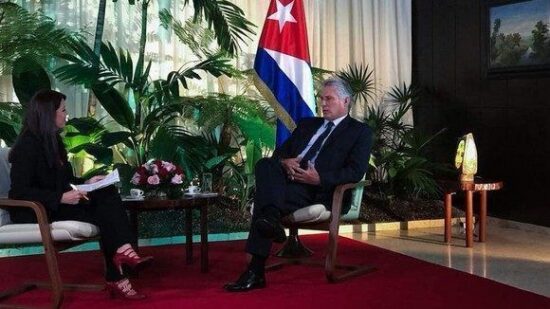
{"points": [[283, 14]]}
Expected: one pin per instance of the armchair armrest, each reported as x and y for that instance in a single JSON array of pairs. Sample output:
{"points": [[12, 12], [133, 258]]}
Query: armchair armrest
{"points": [[338, 196], [41, 216]]}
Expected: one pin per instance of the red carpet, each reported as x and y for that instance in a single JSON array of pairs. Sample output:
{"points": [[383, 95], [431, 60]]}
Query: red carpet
{"points": [[398, 282]]}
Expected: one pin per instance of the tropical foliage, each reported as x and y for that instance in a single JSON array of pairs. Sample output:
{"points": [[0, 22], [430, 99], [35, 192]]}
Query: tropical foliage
{"points": [[361, 80], [33, 36], [27, 43], [399, 151], [11, 119]]}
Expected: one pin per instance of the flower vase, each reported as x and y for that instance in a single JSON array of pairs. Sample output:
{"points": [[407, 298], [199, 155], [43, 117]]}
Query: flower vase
{"points": [[161, 195], [158, 194]]}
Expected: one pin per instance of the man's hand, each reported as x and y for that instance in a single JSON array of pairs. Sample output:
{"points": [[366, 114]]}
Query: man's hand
{"points": [[95, 179], [290, 166], [308, 176]]}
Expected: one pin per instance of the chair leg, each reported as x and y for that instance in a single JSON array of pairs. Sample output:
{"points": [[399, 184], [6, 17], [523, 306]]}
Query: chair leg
{"points": [[331, 264], [293, 247], [55, 284], [17, 290], [55, 277], [55, 281]]}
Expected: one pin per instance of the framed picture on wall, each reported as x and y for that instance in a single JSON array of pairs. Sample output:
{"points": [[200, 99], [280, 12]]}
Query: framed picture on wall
{"points": [[516, 38]]}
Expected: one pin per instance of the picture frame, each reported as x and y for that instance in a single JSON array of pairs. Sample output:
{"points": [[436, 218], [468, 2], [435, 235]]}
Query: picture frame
{"points": [[515, 38]]}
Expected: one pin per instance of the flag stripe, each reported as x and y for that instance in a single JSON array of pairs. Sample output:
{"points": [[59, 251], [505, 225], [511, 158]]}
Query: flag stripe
{"points": [[284, 90], [299, 73]]}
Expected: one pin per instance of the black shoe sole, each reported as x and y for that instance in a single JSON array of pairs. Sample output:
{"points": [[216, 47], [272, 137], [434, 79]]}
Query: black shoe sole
{"points": [[235, 289]]}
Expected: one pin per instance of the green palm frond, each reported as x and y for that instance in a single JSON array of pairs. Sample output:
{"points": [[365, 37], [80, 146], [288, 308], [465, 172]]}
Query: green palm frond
{"points": [[216, 65], [415, 177], [226, 19], [193, 35], [405, 94], [117, 67], [11, 120], [34, 36], [361, 80], [80, 69]]}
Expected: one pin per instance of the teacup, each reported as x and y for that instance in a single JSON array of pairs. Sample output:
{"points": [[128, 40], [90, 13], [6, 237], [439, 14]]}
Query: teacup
{"points": [[136, 193], [193, 190]]}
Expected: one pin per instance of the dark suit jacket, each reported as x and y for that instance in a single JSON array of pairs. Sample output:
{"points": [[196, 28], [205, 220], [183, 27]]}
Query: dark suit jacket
{"points": [[344, 157], [33, 179]]}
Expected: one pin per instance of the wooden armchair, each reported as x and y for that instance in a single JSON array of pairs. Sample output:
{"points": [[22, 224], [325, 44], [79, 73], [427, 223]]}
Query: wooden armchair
{"points": [[53, 237], [317, 217]]}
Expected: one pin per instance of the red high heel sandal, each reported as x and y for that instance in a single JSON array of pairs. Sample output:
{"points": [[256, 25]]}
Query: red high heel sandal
{"points": [[131, 258], [123, 289]]}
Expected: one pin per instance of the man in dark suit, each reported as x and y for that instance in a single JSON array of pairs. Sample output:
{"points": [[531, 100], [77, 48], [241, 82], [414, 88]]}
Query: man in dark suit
{"points": [[320, 154]]}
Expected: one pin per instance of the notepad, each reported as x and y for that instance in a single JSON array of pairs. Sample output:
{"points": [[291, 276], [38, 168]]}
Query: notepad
{"points": [[110, 179]]}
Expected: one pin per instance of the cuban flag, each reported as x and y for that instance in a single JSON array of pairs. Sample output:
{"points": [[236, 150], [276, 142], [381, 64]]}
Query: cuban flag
{"points": [[282, 65]]}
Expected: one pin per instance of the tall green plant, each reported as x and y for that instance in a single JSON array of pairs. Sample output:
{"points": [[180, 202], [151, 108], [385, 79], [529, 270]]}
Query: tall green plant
{"points": [[239, 130], [137, 104], [399, 151]]}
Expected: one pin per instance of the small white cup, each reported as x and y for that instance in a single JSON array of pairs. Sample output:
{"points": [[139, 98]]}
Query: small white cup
{"points": [[136, 193], [193, 190]]}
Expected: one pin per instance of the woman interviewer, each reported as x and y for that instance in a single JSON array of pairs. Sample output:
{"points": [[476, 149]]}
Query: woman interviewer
{"points": [[40, 172]]}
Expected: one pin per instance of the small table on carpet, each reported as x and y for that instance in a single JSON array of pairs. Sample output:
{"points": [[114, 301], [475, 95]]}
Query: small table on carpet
{"points": [[479, 185], [185, 203]]}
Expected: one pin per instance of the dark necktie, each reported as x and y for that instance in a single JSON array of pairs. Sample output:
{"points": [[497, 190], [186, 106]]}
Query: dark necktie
{"points": [[312, 152]]}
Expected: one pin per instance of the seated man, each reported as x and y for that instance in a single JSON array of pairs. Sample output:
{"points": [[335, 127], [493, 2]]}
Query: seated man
{"points": [[319, 155]]}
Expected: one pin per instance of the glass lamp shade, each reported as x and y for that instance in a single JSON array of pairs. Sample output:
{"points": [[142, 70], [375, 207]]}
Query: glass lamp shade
{"points": [[466, 158]]}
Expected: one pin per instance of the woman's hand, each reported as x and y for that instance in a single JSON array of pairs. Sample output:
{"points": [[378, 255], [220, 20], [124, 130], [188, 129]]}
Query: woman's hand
{"points": [[95, 179], [72, 197]]}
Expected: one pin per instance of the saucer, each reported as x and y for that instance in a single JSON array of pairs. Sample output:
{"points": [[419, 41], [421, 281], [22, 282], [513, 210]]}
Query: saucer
{"points": [[208, 194], [131, 198], [192, 194]]}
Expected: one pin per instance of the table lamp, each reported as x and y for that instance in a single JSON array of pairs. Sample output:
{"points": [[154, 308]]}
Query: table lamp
{"points": [[466, 158]]}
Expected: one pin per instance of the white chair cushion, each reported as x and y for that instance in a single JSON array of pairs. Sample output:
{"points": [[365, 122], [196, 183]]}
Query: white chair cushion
{"points": [[310, 214], [4, 172], [61, 231], [4, 217], [4, 183]]}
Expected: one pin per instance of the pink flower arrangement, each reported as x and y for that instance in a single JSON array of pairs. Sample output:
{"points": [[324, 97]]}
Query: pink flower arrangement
{"points": [[157, 173]]}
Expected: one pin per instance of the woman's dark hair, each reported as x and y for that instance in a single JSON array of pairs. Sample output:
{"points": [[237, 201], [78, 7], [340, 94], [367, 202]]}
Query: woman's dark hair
{"points": [[40, 121]]}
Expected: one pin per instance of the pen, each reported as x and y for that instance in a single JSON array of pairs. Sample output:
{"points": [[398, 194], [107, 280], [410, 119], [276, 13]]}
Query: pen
{"points": [[76, 189]]}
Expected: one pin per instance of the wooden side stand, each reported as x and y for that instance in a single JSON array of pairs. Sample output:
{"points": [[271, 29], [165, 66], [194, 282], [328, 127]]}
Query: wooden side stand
{"points": [[478, 185]]}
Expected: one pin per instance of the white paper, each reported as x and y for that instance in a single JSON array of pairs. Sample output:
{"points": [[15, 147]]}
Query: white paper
{"points": [[110, 179]]}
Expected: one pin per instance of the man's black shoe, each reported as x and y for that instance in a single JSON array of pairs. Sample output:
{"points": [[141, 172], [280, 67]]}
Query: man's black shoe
{"points": [[249, 280], [270, 228]]}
